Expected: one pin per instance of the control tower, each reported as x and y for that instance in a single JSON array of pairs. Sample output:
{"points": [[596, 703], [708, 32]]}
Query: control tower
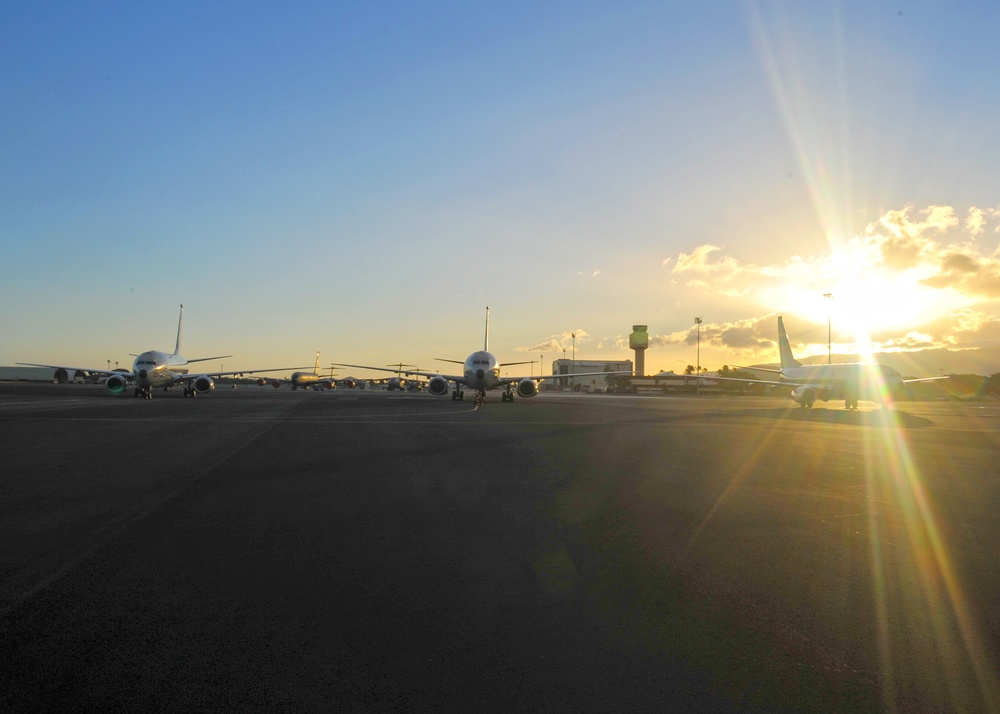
{"points": [[639, 341]]}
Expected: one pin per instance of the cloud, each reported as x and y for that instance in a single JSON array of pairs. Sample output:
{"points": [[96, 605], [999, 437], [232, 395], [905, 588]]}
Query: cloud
{"points": [[699, 262], [975, 222], [558, 343], [749, 336], [931, 246]]}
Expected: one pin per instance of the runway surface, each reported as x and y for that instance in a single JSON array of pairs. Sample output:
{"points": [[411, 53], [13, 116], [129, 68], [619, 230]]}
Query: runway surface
{"points": [[260, 549]]}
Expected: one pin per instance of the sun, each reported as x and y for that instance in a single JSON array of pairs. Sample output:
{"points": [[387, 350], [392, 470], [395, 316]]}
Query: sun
{"points": [[861, 296]]}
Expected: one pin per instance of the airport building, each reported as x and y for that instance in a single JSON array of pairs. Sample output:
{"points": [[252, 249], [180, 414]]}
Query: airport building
{"points": [[566, 368]]}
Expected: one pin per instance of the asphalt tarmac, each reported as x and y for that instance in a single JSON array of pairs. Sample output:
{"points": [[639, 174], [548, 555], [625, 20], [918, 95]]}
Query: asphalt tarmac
{"points": [[261, 550]]}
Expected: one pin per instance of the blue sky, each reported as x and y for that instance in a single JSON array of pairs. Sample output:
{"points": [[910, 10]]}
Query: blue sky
{"points": [[364, 178]]}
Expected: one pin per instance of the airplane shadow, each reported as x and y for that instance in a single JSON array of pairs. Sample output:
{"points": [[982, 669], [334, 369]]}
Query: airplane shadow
{"points": [[885, 418]]}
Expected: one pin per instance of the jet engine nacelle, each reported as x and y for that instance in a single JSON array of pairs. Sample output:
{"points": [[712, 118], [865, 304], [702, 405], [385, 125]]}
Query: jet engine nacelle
{"points": [[116, 384], [804, 395], [527, 387], [203, 384], [438, 386]]}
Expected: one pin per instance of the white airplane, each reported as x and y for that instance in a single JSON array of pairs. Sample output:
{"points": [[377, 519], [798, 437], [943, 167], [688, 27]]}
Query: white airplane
{"points": [[849, 381], [481, 372], [315, 380], [153, 369]]}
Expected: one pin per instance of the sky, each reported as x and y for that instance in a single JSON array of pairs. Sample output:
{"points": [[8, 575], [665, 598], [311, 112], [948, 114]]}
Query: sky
{"points": [[363, 179]]}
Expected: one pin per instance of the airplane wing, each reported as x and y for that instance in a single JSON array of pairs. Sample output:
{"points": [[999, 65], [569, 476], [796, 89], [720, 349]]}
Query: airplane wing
{"points": [[182, 378], [925, 379], [208, 359], [408, 372], [127, 375], [239, 371]]}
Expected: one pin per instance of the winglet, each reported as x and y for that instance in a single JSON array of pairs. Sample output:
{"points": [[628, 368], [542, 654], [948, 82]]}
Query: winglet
{"points": [[316, 368], [787, 358]]}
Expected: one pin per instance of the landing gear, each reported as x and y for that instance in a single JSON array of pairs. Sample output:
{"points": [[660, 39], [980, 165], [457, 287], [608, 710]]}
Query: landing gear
{"points": [[507, 396], [190, 392], [144, 392], [480, 398], [458, 395]]}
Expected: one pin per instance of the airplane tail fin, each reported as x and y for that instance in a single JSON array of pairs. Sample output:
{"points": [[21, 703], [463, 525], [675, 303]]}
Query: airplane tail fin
{"points": [[486, 340], [316, 368], [180, 320], [787, 358]]}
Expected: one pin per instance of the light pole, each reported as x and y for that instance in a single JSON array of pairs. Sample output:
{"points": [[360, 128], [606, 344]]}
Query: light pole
{"points": [[565, 381], [829, 343], [573, 367], [697, 369]]}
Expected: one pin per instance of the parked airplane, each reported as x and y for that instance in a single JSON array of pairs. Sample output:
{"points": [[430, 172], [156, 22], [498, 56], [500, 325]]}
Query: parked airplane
{"points": [[315, 380], [848, 381], [481, 372], [153, 369]]}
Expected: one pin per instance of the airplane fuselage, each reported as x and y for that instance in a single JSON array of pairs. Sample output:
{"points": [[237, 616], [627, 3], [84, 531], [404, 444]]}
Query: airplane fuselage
{"points": [[307, 379], [877, 382], [158, 369], [481, 370]]}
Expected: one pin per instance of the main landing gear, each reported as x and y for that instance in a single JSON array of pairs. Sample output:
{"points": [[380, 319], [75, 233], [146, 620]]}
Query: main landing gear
{"points": [[458, 396]]}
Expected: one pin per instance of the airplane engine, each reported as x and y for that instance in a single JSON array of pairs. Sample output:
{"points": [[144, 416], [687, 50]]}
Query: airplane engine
{"points": [[261, 381], [349, 383], [203, 384], [438, 386], [527, 387], [116, 384], [804, 396]]}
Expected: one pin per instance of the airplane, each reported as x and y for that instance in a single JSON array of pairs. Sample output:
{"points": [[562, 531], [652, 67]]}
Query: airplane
{"points": [[849, 381], [481, 372], [152, 369], [314, 379], [399, 381]]}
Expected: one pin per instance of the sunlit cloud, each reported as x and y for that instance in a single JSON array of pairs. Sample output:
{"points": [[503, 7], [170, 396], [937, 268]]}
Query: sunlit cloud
{"points": [[560, 342], [907, 269]]}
